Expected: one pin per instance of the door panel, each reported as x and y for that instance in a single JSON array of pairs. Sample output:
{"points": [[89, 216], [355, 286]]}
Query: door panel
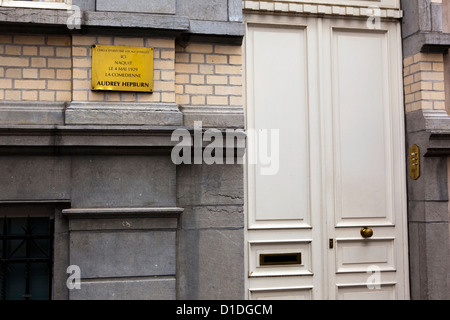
{"points": [[280, 214], [333, 90], [278, 94], [365, 161], [281, 294], [360, 255], [385, 292], [362, 128]]}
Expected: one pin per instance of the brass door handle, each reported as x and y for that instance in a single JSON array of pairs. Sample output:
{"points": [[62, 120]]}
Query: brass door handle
{"points": [[366, 232]]}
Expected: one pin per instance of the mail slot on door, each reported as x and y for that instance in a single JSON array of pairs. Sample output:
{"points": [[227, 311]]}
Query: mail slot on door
{"points": [[274, 259]]}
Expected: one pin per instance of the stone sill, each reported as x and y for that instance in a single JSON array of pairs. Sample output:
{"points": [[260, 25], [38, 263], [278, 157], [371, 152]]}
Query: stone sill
{"points": [[430, 129], [427, 42], [111, 213], [26, 16], [114, 22]]}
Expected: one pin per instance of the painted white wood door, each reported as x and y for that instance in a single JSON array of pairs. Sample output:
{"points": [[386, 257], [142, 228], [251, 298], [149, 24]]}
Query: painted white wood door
{"points": [[325, 95], [364, 160]]}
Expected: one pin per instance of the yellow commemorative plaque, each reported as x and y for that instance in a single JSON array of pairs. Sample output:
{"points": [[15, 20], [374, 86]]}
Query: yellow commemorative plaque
{"points": [[120, 68]]}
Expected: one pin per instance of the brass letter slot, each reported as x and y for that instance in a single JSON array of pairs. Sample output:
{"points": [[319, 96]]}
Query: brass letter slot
{"points": [[274, 259]]}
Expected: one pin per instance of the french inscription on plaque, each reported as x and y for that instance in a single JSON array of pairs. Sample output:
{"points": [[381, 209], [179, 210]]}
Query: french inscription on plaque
{"points": [[120, 68]]}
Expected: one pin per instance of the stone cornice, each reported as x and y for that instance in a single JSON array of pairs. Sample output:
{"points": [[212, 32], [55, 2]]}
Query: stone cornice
{"points": [[252, 6]]}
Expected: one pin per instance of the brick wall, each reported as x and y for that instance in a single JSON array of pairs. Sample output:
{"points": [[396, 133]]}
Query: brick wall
{"points": [[208, 74], [424, 82], [58, 68], [35, 68]]}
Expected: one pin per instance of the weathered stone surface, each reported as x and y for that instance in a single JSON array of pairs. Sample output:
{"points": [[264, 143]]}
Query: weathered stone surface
{"points": [[217, 28], [234, 10], [123, 254], [34, 178], [135, 20], [61, 254], [210, 184], [85, 5], [143, 289], [141, 6], [422, 26], [211, 234], [211, 264], [100, 113], [118, 181], [428, 227], [203, 10], [31, 113], [202, 217], [214, 116], [120, 224]]}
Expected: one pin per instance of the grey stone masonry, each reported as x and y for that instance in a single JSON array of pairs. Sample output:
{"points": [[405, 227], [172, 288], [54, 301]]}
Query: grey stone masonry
{"points": [[176, 17], [428, 206], [425, 29], [124, 253], [137, 225]]}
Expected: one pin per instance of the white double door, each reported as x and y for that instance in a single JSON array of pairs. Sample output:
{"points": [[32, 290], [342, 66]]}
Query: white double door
{"points": [[326, 159]]}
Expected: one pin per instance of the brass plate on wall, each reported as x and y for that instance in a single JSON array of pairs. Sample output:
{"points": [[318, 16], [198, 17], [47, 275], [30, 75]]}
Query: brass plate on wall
{"points": [[121, 68], [414, 162]]}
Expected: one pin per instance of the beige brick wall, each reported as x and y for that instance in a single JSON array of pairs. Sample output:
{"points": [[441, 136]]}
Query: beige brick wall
{"points": [[208, 74], [424, 82], [35, 68], [164, 69], [58, 68]]}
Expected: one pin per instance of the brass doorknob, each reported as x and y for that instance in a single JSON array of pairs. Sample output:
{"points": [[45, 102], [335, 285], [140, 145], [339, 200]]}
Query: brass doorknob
{"points": [[366, 232]]}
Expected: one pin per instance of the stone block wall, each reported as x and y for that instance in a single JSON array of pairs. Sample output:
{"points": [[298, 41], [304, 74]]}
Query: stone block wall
{"points": [[103, 158], [426, 90]]}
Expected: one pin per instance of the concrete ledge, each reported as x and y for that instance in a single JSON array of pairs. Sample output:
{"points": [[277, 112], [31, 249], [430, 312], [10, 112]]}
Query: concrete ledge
{"points": [[430, 42], [430, 130], [31, 113], [135, 20], [148, 6], [217, 28], [214, 116], [101, 113], [124, 23], [104, 213], [150, 288], [92, 18]]}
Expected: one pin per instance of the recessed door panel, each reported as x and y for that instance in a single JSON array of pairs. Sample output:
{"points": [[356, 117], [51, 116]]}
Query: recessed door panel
{"points": [[360, 255], [279, 128], [362, 292], [281, 294], [361, 121], [366, 190]]}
